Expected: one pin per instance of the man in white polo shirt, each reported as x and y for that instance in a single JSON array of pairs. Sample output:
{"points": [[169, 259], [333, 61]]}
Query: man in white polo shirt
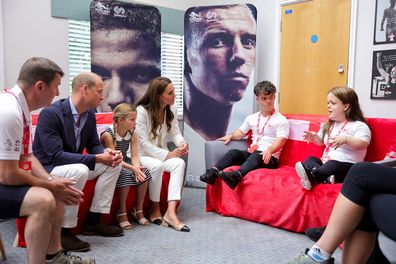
{"points": [[26, 189]]}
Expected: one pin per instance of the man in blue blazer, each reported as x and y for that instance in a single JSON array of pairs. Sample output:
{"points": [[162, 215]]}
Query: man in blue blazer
{"points": [[64, 130]]}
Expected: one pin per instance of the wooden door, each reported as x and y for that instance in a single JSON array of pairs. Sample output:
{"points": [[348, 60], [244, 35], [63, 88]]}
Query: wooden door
{"points": [[314, 44]]}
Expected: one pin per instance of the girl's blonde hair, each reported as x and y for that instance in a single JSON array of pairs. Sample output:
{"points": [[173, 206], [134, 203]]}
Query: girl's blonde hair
{"points": [[121, 111]]}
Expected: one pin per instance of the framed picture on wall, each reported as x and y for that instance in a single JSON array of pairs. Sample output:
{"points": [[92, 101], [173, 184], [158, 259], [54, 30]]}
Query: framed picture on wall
{"points": [[385, 22], [383, 81]]}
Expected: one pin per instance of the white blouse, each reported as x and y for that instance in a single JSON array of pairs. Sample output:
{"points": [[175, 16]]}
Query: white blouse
{"points": [[156, 148]]}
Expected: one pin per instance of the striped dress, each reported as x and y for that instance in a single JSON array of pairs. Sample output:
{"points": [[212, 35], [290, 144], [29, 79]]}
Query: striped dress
{"points": [[126, 178]]}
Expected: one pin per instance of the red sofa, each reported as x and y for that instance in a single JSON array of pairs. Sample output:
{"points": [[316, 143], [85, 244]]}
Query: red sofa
{"points": [[103, 120], [275, 197]]}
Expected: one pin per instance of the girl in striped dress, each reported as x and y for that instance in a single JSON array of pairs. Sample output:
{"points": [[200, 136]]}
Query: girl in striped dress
{"points": [[121, 137]]}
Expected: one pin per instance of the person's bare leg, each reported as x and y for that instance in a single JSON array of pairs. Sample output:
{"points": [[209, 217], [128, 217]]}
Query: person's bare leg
{"points": [[39, 206], [344, 218], [123, 195], [140, 194], [358, 247], [171, 214], [55, 239]]}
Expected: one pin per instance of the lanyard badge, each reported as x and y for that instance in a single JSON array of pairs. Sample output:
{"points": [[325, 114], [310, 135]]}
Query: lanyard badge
{"points": [[260, 134]]}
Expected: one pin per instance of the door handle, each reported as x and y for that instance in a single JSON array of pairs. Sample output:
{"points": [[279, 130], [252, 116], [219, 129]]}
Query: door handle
{"points": [[340, 68]]}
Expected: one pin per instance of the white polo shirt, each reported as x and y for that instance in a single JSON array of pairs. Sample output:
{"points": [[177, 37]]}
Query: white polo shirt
{"points": [[11, 124]]}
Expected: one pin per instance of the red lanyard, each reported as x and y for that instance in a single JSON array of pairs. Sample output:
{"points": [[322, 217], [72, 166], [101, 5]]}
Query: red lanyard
{"points": [[260, 134], [26, 130], [326, 156]]}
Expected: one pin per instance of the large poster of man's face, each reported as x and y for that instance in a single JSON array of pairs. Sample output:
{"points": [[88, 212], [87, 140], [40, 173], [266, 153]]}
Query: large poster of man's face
{"points": [[125, 49], [220, 56], [385, 22]]}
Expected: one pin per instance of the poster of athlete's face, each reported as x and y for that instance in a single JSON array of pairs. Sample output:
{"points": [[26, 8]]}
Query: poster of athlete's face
{"points": [[125, 49], [220, 57]]}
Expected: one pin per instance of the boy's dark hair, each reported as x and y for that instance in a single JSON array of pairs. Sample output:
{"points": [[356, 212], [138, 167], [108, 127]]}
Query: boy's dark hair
{"points": [[264, 87]]}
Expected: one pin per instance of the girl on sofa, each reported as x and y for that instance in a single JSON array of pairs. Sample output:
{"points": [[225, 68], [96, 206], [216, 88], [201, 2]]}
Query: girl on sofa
{"points": [[345, 136], [121, 137], [367, 186], [156, 123]]}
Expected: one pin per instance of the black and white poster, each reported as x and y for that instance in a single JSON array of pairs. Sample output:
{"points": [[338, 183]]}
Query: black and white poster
{"points": [[385, 22], [383, 83], [220, 58], [125, 49]]}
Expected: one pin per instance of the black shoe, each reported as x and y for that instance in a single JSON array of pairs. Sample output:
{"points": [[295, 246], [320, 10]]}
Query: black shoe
{"points": [[102, 230], [72, 243], [210, 176], [315, 233], [231, 178]]}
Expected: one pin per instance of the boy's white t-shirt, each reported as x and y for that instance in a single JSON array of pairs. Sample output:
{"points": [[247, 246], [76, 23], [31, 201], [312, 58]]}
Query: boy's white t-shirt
{"points": [[277, 126]]}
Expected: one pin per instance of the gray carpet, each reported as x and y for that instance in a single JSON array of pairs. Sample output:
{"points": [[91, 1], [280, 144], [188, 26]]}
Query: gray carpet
{"points": [[213, 239]]}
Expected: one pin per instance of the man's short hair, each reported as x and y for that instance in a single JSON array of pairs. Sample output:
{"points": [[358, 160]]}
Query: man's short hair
{"points": [[38, 69], [264, 87], [83, 78], [192, 28], [145, 20]]}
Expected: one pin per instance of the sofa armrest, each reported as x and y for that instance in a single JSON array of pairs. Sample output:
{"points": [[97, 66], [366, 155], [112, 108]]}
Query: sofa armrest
{"points": [[215, 150], [387, 162]]}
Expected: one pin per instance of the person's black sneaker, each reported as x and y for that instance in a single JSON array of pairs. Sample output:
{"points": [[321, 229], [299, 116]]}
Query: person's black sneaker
{"points": [[101, 229], [210, 176], [231, 178], [72, 243], [315, 233]]}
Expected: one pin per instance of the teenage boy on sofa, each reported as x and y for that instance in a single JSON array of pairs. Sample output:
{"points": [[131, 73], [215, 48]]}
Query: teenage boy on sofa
{"points": [[270, 130]]}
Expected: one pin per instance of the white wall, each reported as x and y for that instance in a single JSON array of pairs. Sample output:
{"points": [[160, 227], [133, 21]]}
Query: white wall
{"points": [[29, 30]]}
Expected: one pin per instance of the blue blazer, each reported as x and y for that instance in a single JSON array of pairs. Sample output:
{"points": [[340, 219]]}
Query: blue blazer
{"points": [[55, 143]]}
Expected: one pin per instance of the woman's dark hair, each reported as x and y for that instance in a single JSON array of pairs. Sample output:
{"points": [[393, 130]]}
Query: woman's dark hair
{"points": [[150, 101]]}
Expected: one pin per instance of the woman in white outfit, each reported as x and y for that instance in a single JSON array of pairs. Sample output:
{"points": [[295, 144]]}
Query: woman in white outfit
{"points": [[157, 123]]}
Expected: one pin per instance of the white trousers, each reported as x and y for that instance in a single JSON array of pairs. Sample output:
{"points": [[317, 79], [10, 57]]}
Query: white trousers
{"points": [[174, 166], [79, 173], [104, 188]]}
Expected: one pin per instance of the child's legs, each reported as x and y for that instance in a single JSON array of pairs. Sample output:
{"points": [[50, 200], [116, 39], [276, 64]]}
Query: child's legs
{"points": [[141, 190], [254, 161], [123, 195], [333, 167], [312, 162], [232, 157]]}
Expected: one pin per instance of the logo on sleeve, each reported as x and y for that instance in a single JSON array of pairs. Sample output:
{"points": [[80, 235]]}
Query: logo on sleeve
{"points": [[7, 145], [17, 146]]}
